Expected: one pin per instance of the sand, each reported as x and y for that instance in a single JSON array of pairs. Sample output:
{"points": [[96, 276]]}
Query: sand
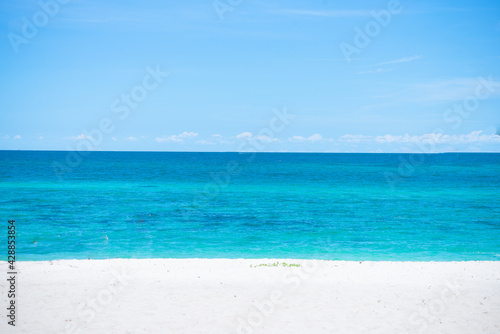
{"points": [[234, 296]]}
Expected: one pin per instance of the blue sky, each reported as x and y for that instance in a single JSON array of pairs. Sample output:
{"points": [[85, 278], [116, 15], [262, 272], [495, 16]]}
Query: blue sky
{"points": [[296, 76]]}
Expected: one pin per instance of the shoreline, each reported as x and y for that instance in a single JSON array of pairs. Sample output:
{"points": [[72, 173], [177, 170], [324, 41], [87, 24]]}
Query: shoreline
{"points": [[239, 296], [253, 259]]}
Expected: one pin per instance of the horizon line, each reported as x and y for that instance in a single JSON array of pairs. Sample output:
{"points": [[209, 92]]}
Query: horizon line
{"points": [[291, 152]]}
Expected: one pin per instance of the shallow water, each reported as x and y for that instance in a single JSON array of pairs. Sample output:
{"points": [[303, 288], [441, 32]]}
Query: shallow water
{"points": [[434, 207]]}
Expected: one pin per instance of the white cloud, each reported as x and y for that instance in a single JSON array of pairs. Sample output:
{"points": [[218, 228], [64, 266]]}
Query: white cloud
{"points": [[217, 138], [439, 138], [244, 135], [387, 138], [79, 137], [326, 13], [205, 142], [315, 137], [132, 138], [266, 139], [167, 139], [412, 140], [355, 138], [40, 138], [311, 139], [378, 70], [401, 60], [18, 137], [261, 138], [478, 136], [161, 139], [187, 135], [114, 139], [177, 138], [295, 139]]}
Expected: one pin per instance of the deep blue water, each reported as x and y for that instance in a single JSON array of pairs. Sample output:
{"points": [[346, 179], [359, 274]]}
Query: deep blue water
{"points": [[430, 207]]}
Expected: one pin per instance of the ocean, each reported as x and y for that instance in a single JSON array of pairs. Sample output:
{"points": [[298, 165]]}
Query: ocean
{"points": [[391, 207]]}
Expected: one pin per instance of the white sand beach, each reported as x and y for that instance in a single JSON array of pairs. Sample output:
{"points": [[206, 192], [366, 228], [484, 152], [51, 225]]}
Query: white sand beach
{"points": [[234, 296]]}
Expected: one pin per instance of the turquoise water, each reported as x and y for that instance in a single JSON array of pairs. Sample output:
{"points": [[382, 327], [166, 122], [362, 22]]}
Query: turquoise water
{"points": [[435, 207]]}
